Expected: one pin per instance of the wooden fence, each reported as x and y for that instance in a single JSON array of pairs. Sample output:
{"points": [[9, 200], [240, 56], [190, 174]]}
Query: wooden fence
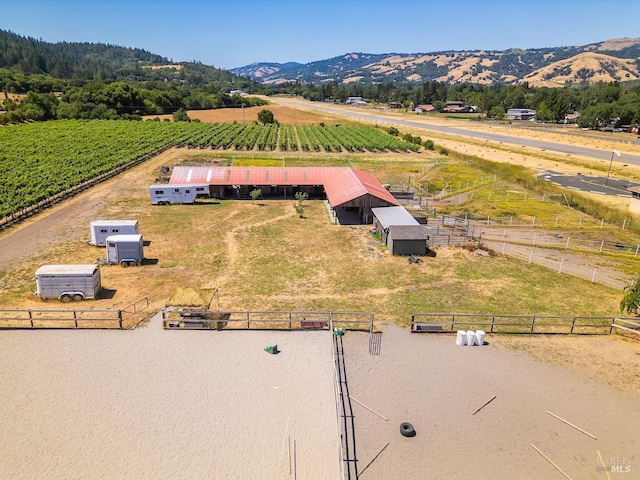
{"points": [[198, 319], [76, 318], [528, 324]]}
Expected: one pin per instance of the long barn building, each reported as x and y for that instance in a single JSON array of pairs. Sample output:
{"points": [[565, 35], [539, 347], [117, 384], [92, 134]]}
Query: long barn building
{"points": [[346, 189]]}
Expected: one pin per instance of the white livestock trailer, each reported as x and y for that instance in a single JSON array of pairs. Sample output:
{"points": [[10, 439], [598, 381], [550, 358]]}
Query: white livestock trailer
{"points": [[101, 229], [167, 194], [68, 282], [125, 249]]}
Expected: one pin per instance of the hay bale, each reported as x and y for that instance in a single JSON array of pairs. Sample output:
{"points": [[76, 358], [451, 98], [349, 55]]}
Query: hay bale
{"points": [[192, 297]]}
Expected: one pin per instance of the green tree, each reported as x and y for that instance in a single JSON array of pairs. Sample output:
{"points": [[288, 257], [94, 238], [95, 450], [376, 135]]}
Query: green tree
{"points": [[255, 193], [497, 112], [265, 116], [631, 300], [181, 116], [301, 197]]}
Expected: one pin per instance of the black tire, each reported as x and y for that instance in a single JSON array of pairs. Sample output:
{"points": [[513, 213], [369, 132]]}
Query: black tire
{"points": [[65, 298], [78, 298], [407, 430]]}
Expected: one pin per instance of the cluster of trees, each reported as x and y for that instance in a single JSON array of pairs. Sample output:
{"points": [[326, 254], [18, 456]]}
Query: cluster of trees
{"points": [[97, 81], [600, 105], [111, 100]]}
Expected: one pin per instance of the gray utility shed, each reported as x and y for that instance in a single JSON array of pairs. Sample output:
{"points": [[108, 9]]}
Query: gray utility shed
{"points": [[400, 231]]}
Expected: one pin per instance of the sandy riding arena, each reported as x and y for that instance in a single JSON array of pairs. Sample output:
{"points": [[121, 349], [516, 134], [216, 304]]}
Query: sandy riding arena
{"points": [[436, 385], [156, 404]]}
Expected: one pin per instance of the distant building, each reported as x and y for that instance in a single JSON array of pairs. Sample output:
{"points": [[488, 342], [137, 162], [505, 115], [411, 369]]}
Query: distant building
{"points": [[521, 114], [571, 117], [355, 101], [457, 106], [425, 108], [238, 92]]}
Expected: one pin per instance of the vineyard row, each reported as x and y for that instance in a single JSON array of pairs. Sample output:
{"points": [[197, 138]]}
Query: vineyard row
{"points": [[41, 160]]}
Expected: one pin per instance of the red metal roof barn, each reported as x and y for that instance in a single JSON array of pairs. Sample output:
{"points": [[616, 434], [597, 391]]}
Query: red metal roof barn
{"points": [[346, 189]]}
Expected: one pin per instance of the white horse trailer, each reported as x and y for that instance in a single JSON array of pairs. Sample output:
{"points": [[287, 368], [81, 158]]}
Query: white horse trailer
{"points": [[166, 194], [125, 249], [101, 229], [68, 282]]}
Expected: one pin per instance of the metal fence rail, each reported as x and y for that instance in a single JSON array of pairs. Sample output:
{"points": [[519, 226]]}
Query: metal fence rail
{"points": [[528, 324]]}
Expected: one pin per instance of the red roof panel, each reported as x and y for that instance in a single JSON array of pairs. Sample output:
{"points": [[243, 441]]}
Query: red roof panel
{"points": [[341, 184]]}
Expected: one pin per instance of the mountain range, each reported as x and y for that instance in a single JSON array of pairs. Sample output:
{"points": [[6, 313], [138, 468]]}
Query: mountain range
{"points": [[607, 61]]}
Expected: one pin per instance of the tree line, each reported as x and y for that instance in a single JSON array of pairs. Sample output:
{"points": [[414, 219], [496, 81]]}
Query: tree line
{"points": [[113, 100], [600, 105]]}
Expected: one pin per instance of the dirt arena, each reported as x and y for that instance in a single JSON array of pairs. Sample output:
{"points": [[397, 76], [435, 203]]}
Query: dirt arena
{"points": [[156, 404], [436, 385]]}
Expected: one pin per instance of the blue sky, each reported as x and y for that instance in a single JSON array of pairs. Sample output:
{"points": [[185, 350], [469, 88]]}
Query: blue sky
{"points": [[229, 34]]}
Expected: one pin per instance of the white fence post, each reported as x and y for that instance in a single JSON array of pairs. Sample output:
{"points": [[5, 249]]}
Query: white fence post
{"points": [[637, 247], [531, 256], [593, 277], [601, 223], [503, 246], [561, 263], [566, 247], [580, 222], [534, 222], [534, 240], [624, 224], [601, 245], [556, 221]]}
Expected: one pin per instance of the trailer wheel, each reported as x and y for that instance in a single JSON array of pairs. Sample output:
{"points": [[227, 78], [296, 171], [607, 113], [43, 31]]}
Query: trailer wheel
{"points": [[65, 298], [124, 264], [78, 298]]}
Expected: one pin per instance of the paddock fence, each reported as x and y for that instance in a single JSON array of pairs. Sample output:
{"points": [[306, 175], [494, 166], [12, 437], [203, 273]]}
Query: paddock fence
{"points": [[200, 319], [77, 318], [521, 324]]}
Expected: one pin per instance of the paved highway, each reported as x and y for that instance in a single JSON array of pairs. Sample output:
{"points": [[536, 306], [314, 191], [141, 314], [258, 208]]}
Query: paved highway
{"points": [[593, 153], [590, 183]]}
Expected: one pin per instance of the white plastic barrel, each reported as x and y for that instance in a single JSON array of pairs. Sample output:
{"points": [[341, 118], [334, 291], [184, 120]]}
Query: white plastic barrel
{"points": [[480, 337], [461, 339], [471, 338]]}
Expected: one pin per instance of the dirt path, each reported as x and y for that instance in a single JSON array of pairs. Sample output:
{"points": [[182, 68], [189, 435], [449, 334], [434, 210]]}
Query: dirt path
{"points": [[70, 219]]}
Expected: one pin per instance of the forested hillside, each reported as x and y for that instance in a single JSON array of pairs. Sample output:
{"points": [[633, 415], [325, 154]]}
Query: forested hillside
{"points": [[85, 80]]}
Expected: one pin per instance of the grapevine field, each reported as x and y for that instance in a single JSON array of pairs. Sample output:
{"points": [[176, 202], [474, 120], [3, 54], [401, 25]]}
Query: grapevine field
{"points": [[39, 160]]}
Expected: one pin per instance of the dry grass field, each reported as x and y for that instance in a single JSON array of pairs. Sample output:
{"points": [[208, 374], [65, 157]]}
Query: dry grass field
{"points": [[281, 113]]}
